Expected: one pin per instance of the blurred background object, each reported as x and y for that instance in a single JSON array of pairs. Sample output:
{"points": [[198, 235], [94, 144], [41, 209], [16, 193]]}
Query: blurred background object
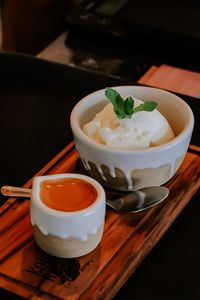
{"points": [[0, 27], [28, 26], [120, 38]]}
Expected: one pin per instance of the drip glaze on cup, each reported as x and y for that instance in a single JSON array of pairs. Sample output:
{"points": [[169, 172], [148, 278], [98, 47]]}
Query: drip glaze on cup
{"points": [[67, 214]]}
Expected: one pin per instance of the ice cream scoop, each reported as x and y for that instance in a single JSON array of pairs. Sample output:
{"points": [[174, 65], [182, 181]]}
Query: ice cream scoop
{"points": [[142, 130]]}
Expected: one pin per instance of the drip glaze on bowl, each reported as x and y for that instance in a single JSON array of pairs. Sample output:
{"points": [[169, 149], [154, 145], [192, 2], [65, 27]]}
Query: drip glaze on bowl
{"points": [[128, 170]]}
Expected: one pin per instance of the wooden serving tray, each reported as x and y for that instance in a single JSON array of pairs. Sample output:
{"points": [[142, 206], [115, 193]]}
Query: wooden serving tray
{"points": [[128, 238]]}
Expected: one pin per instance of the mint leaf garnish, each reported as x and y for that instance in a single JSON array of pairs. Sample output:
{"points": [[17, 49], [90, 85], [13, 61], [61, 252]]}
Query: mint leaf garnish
{"points": [[147, 106], [125, 108], [128, 106]]}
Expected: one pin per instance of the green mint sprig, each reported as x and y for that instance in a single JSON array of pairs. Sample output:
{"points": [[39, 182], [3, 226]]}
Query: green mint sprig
{"points": [[125, 108]]}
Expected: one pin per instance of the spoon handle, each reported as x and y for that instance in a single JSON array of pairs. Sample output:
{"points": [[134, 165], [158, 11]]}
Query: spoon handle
{"points": [[13, 191]]}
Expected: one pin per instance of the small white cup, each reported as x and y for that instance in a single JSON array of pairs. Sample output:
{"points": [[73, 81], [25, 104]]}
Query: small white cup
{"points": [[67, 234]]}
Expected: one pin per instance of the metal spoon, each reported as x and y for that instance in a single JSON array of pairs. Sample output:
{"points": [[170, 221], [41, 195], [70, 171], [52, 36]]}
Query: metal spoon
{"points": [[139, 200], [133, 202]]}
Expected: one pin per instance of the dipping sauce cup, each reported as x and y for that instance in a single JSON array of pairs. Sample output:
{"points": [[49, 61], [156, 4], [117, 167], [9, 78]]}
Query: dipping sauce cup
{"points": [[67, 214]]}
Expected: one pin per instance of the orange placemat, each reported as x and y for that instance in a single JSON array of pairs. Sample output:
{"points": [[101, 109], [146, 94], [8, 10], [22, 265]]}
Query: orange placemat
{"points": [[174, 79]]}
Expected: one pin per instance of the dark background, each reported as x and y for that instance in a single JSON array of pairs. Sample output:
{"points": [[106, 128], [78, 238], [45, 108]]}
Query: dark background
{"points": [[36, 99]]}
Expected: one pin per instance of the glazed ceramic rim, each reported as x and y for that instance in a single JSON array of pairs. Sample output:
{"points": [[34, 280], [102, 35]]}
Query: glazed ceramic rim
{"points": [[35, 197], [82, 136]]}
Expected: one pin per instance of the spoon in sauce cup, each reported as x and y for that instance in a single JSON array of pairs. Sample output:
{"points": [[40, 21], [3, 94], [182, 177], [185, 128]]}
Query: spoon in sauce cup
{"points": [[133, 202], [13, 191]]}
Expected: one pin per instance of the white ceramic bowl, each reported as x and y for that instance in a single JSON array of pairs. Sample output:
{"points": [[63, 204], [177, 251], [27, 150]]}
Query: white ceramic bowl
{"points": [[133, 169]]}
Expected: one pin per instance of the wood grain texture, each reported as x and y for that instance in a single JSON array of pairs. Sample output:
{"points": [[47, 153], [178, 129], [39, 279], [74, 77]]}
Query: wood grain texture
{"points": [[171, 78], [127, 239]]}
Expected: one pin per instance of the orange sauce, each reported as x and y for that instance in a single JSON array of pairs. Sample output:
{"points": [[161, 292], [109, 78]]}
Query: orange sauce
{"points": [[67, 194]]}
